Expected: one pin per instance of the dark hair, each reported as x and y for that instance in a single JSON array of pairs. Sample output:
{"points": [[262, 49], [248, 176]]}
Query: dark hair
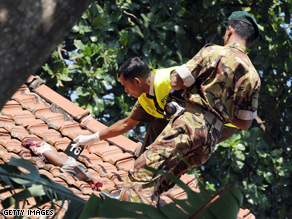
{"points": [[243, 29], [134, 67]]}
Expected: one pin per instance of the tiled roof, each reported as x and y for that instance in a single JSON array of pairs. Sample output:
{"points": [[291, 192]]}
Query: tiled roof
{"points": [[36, 112]]}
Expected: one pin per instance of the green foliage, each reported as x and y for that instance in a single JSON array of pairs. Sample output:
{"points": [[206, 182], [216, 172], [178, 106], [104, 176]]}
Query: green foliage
{"points": [[30, 183], [196, 206], [169, 32], [262, 174]]}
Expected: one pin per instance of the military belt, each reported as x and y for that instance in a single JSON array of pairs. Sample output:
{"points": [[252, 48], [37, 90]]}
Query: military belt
{"points": [[211, 118]]}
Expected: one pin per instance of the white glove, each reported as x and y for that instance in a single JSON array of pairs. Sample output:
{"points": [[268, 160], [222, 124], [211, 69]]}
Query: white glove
{"points": [[86, 139], [179, 109]]}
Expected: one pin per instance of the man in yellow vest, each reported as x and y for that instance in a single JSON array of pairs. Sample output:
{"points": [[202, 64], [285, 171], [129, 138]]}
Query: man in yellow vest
{"points": [[152, 89]]}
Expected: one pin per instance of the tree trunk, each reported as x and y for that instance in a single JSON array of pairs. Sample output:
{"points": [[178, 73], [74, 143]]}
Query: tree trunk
{"points": [[30, 31]]}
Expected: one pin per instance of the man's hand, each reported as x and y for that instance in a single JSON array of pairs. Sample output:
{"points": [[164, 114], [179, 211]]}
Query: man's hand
{"points": [[179, 109], [86, 139], [173, 109], [176, 82]]}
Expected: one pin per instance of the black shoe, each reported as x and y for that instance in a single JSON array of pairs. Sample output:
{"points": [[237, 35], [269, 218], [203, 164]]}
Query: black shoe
{"points": [[104, 194]]}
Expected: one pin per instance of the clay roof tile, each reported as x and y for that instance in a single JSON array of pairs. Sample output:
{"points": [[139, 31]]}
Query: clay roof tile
{"points": [[36, 112]]}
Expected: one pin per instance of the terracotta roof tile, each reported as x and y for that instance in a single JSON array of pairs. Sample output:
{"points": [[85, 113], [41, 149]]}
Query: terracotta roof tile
{"points": [[245, 214], [79, 183], [181, 195], [121, 141], [46, 113], [46, 173], [11, 108], [27, 120], [7, 156], [19, 132], [103, 151], [39, 129], [3, 131], [104, 168], [108, 185], [13, 145], [6, 122], [118, 177], [31, 137], [94, 173], [59, 181], [32, 103], [85, 189], [31, 78], [4, 138], [187, 178], [25, 100], [25, 154], [5, 195], [89, 159], [62, 143], [20, 113], [73, 130], [91, 124], [125, 164], [114, 158], [85, 197], [37, 161], [55, 171], [41, 114], [69, 179], [125, 144], [57, 121], [76, 191], [2, 150], [53, 97], [95, 147], [23, 91], [48, 166]]}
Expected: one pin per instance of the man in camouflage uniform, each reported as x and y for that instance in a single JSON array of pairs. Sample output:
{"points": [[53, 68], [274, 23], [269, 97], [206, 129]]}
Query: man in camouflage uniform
{"points": [[220, 86]]}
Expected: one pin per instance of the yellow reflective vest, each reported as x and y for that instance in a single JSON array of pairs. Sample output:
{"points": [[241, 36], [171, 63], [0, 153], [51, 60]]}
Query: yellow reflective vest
{"points": [[155, 105]]}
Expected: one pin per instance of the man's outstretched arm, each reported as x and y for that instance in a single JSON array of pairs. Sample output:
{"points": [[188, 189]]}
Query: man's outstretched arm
{"points": [[116, 129]]}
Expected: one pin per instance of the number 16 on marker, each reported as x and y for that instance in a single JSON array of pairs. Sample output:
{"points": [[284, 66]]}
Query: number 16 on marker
{"points": [[73, 152]]}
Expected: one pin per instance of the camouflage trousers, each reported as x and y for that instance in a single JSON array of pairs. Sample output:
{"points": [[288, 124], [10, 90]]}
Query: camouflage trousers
{"points": [[188, 140]]}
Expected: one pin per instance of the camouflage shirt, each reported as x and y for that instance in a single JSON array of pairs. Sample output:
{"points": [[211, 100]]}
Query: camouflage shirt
{"points": [[226, 81]]}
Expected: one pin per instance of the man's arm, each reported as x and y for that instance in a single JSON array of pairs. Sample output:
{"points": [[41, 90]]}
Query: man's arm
{"points": [[118, 128], [114, 130], [242, 124], [176, 82]]}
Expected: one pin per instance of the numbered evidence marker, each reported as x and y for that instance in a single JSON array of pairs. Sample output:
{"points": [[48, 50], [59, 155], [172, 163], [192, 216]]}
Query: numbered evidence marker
{"points": [[74, 152]]}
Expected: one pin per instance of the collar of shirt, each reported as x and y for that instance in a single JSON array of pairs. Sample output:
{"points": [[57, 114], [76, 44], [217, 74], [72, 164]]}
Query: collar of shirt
{"points": [[238, 46], [151, 89]]}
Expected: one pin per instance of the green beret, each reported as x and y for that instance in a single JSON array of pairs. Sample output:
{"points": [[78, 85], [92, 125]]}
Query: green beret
{"points": [[245, 17]]}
